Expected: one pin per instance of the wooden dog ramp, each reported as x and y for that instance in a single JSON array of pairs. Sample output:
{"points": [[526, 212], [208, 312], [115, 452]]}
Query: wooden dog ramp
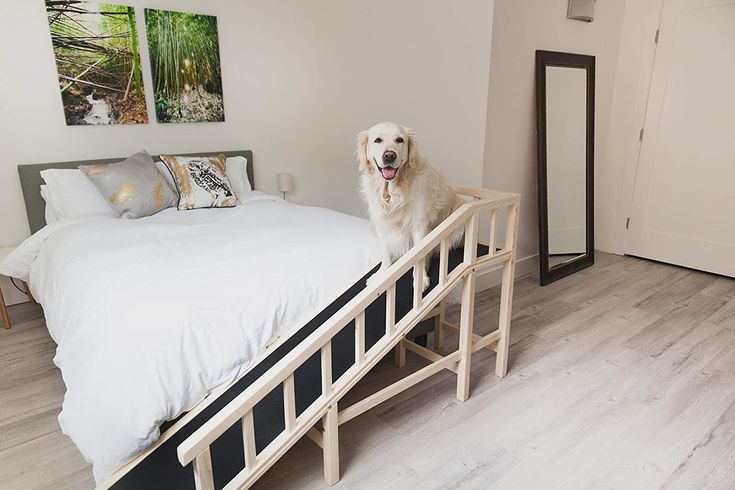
{"points": [[502, 211]]}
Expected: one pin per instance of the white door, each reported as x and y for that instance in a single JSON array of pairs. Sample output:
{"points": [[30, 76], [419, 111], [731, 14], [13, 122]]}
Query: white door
{"points": [[683, 209]]}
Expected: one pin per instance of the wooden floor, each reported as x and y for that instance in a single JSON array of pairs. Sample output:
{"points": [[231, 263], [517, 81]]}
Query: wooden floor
{"points": [[621, 376]]}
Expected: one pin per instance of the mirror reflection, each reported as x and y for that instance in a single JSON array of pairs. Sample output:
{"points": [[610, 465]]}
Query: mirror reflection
{"points": [[566, 134]]}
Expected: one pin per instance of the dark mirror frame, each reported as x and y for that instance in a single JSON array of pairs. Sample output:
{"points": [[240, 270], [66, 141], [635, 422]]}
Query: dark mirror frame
{"points": [[553, 58]]}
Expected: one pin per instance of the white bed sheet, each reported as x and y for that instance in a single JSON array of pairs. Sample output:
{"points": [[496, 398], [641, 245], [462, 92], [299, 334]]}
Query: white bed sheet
{"points": [[150, 315]]}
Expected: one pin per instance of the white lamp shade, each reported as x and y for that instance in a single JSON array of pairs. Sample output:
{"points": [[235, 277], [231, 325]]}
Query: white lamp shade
{"points": [[285, 182]]}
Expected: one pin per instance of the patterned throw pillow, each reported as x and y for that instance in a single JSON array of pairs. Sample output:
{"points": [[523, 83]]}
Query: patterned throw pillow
{"points": [[134, 187], [201, 181]]}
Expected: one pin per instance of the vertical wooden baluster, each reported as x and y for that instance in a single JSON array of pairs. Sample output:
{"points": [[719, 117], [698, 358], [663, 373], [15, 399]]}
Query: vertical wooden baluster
{"points": [[203, 477], [443, 261], [248, 438], [443, 272], [289, 403], [418, 284], [330, 438], [390, 309], [506, 289], [360, 338], [511, 226], [470, 240], [327, 368], [493, 225]]}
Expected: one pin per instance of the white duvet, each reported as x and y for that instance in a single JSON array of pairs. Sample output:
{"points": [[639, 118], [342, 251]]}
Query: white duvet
{"points": [[150, 315]]}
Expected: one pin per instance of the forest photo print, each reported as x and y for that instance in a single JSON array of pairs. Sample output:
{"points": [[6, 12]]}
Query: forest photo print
{"points": [[185, 65], [97, 60]]}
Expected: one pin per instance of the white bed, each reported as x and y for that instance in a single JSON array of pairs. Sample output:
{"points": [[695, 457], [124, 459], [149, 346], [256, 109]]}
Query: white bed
{"points": [[150, 315]]}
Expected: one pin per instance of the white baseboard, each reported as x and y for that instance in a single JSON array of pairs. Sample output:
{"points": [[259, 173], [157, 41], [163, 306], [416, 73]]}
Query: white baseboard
{"points": [[493, 277]]}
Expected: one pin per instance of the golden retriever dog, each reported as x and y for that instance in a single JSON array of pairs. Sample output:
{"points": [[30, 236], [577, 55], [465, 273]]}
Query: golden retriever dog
{"points": [[406, 197]]}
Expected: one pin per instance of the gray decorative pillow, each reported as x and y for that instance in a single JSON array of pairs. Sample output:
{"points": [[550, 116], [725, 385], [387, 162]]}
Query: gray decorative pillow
{"points": [[134, 187], [201, 181]]}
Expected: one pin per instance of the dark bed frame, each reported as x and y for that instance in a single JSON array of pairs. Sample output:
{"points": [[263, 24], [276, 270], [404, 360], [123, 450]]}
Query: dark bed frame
{"points": [[161, 467]]}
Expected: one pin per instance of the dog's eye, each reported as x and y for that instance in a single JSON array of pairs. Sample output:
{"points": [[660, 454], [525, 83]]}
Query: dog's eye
{"points": [[399, 140], [378, 140]]}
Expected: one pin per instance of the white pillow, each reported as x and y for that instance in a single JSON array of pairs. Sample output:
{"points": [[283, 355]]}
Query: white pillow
{"points": [[236, 170], [237, 173], [73, 195], [51, 215]]}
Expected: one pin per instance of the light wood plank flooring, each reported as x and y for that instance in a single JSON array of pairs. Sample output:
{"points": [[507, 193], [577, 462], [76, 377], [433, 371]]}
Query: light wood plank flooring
{"points": [[621, 376]]}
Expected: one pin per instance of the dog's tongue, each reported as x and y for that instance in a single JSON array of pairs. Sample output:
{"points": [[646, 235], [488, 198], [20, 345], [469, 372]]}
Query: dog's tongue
{"points": [[388, 172]]}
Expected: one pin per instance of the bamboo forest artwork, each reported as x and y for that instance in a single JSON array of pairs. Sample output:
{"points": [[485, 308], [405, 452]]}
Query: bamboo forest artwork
{"points": [[185, 64], [97, 60]]}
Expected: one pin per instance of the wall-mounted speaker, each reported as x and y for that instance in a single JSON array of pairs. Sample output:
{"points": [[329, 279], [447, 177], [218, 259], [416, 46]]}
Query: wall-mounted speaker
{"points": [[581, 10]]}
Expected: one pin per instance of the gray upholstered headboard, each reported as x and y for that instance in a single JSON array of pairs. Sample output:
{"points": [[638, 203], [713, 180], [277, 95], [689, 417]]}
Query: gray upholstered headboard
{"points": [[30, 180]]}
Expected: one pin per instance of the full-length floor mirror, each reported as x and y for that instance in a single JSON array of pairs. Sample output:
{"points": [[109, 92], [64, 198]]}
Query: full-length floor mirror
{"points": [[565, 105]]}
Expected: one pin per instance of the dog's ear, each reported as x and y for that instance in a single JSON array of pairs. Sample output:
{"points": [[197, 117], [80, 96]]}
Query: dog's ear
{"points": [[413, 150], [361, 152]]}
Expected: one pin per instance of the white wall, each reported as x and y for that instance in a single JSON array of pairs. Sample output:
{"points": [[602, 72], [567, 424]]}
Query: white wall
{"points": [[300, 79], [520, 28]]}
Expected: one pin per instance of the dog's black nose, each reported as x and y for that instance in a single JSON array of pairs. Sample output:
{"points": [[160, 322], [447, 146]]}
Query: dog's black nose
{"points": [[389, 157]]}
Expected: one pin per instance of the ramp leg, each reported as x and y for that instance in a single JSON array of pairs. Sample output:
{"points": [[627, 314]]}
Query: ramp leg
{"points": [[400, 354], [506, 291], [438, 331], [331, 446], [465, 337], [506, 298]]}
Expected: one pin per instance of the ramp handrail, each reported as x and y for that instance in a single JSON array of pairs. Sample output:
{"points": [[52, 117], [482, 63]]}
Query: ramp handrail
{"points": [[196, 447]]}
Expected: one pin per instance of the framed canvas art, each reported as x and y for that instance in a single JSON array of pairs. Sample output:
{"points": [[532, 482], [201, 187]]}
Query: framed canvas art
{"points": [[97, 61], [185, 65]]}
